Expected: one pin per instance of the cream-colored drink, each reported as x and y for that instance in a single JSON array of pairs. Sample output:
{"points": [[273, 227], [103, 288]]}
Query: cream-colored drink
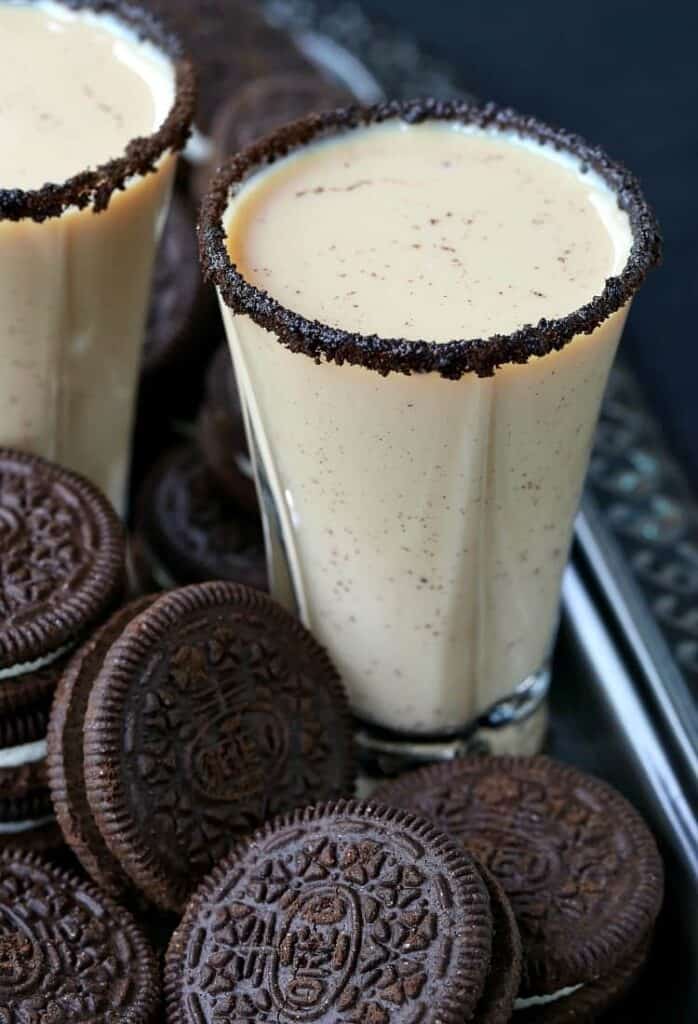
{"points": [[426, 521], [75, 88]]}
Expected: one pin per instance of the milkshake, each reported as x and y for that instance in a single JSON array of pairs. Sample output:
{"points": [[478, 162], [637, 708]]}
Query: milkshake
{"points": [[420, 491], [96, 104]]}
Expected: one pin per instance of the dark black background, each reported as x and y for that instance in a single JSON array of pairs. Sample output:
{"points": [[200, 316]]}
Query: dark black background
{"points": [[622, 73]]}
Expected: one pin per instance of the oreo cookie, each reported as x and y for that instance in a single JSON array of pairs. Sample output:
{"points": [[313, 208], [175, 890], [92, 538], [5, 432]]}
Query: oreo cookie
{"points": [[187, 531], [231, 43], [261, 105], [212, 710], [580, 867], [504, 978], [61, 570], [67, 953], [65, 752], [181, 306], [26, 814], [221, 434], [342, 912], [183, 330]]}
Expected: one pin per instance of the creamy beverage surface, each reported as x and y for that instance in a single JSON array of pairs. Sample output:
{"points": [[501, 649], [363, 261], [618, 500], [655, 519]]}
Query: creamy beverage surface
{"points": [[75, 88], [429, 232], [73, 92], [425, 522]]}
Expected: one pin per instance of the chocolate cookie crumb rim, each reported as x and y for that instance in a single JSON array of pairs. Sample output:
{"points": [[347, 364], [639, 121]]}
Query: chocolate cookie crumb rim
{"points": [[460, 865], [451, 359], [95, 187]]}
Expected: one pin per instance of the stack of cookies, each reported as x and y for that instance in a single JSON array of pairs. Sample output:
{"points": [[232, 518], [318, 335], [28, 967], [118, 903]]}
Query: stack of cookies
{"points": [[61, 573], [199, 760], [346, 911]]}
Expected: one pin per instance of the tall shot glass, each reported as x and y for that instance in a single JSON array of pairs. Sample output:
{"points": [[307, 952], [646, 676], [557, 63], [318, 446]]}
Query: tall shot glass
{"points": [[419, 497], [76, 260]]}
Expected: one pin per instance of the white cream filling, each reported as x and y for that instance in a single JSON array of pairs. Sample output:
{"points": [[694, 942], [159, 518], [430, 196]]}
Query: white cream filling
{"points": [[31, 666], [26, 753], [562, 993], [11, 828]]}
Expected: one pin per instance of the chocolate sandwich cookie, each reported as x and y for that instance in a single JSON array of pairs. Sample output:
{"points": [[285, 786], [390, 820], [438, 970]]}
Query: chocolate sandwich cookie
{"points": [[580, 867], [504, 978], [261, 105], [65, 752], [183, 329], [186, 531], [221, 434], [231, 43], [67, 953], [214, 709], [180, 304], [32, 688], [341, 912], [61, 570], [26, 814]]}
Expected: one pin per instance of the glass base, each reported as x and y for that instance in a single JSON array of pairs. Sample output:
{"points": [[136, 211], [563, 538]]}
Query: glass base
{"points": [[515, 725]]}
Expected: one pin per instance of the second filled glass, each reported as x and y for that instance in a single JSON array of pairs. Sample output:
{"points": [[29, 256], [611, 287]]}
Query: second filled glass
{"points": [[420, 491], [96, 99]]}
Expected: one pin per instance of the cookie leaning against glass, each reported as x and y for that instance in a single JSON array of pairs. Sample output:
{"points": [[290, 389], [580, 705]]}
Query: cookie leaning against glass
{"points": [[210, 711]]}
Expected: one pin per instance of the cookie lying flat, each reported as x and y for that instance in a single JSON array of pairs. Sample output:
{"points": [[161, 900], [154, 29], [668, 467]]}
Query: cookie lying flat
{"points": [[61, 571], [345, 912], [579, 866], [213, 710], [67, 953], [186, 531]]}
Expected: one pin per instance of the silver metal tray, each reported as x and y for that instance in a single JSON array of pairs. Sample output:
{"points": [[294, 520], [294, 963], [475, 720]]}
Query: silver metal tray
{"points": [[625, 685]]}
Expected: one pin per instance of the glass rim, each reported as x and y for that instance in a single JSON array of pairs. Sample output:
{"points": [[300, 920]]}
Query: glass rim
{"points": [[95, 187], [450, 359]]}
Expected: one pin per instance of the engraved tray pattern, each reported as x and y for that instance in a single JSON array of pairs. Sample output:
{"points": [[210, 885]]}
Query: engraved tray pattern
{"points": [[644, 499]]}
